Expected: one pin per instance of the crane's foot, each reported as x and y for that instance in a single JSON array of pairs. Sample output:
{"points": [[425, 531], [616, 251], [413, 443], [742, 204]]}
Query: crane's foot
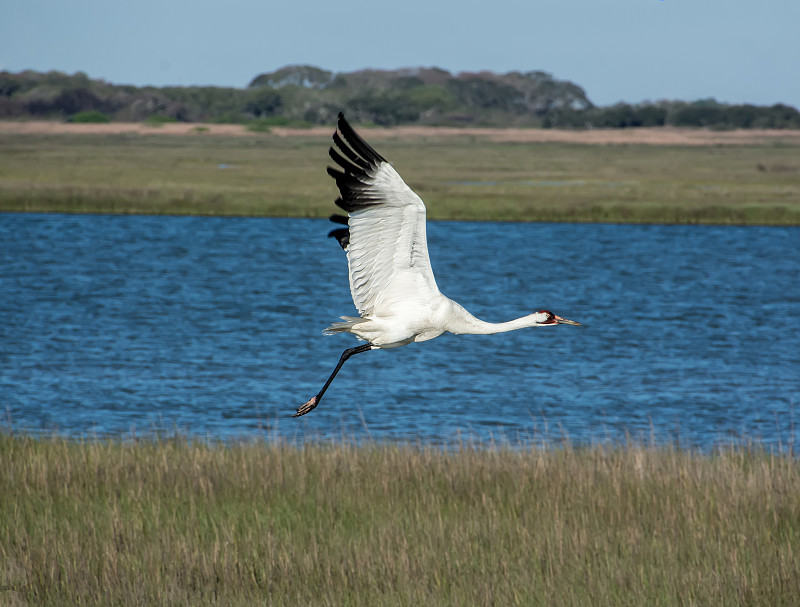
{"points": [[309, 406]]}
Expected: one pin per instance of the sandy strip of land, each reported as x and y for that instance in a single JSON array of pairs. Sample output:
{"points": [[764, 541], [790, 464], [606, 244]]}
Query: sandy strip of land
{"points": [[645, 136]]}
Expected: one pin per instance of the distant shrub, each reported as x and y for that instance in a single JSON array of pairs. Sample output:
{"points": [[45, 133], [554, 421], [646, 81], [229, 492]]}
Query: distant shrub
{"points": [[258, 126], [95, 116], [159, 119], [263, 125], [274, 121], [230, 118]]}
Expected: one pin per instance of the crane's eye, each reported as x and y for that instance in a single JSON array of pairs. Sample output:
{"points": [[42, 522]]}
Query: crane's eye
{"points": [[551, 318]]}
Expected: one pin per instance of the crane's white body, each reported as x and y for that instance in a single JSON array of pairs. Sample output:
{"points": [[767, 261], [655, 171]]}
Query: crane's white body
{"points": [[391, 279]]}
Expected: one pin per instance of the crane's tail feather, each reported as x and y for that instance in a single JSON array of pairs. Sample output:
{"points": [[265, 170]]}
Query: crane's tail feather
{"points": [[343, 327]]}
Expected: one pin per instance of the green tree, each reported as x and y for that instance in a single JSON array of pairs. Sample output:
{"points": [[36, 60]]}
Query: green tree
{"points": [[263, 101]]}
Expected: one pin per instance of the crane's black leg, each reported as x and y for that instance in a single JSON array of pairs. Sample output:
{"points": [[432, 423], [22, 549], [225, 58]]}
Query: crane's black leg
{"points": [[315, 400]]}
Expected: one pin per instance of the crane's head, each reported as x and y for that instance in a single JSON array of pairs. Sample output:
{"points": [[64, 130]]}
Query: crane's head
{"points": [[548, 318]]}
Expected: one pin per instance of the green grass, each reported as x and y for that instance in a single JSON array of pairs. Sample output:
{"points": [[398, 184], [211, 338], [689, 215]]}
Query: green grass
{"points": [[459, 178], [168, 522]]}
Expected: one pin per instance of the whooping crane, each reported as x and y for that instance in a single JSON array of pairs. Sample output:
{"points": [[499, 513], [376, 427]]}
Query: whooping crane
{"points": [[391, 279]]}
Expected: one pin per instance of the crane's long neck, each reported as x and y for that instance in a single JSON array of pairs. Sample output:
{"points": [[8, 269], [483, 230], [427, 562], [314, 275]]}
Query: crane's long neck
{"points": [[461, 321]]}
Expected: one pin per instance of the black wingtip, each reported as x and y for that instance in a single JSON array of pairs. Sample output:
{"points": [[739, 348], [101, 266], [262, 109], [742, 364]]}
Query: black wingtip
{"points": [[358, 144], [342, 236]]}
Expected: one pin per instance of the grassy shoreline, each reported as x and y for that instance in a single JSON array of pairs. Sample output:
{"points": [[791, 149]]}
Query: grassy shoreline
{"points": [[460, 178], [169, 522]]}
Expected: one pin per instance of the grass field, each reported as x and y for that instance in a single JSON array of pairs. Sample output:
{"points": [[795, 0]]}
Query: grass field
{"points": [[167, 522], [459, 177]]}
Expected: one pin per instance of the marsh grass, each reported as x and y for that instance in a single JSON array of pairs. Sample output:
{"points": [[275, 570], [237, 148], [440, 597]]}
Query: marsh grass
{"points": [[459, 178], [173, 522]]}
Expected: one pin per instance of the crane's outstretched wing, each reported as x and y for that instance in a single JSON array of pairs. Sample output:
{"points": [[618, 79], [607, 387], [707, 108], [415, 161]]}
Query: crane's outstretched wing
{"points": [[387, 250]]}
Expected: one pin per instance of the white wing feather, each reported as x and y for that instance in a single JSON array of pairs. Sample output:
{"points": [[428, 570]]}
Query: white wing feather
{"points": [[387, 252]]}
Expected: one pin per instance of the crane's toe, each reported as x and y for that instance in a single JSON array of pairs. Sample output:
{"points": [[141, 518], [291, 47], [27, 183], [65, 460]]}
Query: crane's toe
{"points": [[309, 406]]}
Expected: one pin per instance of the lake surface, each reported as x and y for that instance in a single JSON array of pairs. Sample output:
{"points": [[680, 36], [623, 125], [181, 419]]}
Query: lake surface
{"points": [[211, 327]]}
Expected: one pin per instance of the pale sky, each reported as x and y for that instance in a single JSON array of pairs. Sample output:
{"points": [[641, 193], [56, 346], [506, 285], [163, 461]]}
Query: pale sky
{"points": [[736, 51]]}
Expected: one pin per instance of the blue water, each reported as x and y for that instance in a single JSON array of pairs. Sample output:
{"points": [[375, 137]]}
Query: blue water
{"points": [[212, 327]]}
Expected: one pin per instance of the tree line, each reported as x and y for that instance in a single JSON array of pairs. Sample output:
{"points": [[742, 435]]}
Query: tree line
{"points": [[307, 95]]}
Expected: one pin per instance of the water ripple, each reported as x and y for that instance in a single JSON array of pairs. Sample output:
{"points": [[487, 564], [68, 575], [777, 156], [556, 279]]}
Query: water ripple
{"points": [[211, 326]]}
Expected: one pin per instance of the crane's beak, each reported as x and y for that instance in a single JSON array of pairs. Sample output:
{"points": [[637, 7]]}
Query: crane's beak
{"points": [[564, 321]]}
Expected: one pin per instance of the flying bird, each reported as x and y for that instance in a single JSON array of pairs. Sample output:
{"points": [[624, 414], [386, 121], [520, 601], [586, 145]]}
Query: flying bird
{"points": [[391, 279]]}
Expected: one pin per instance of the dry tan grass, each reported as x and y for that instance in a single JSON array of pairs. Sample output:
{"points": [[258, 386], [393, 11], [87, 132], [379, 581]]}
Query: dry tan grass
{"points": [[642, 136], [177, 523]]}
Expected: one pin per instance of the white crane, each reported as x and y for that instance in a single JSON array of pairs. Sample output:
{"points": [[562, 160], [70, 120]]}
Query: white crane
{"points": [[391, 279]]}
